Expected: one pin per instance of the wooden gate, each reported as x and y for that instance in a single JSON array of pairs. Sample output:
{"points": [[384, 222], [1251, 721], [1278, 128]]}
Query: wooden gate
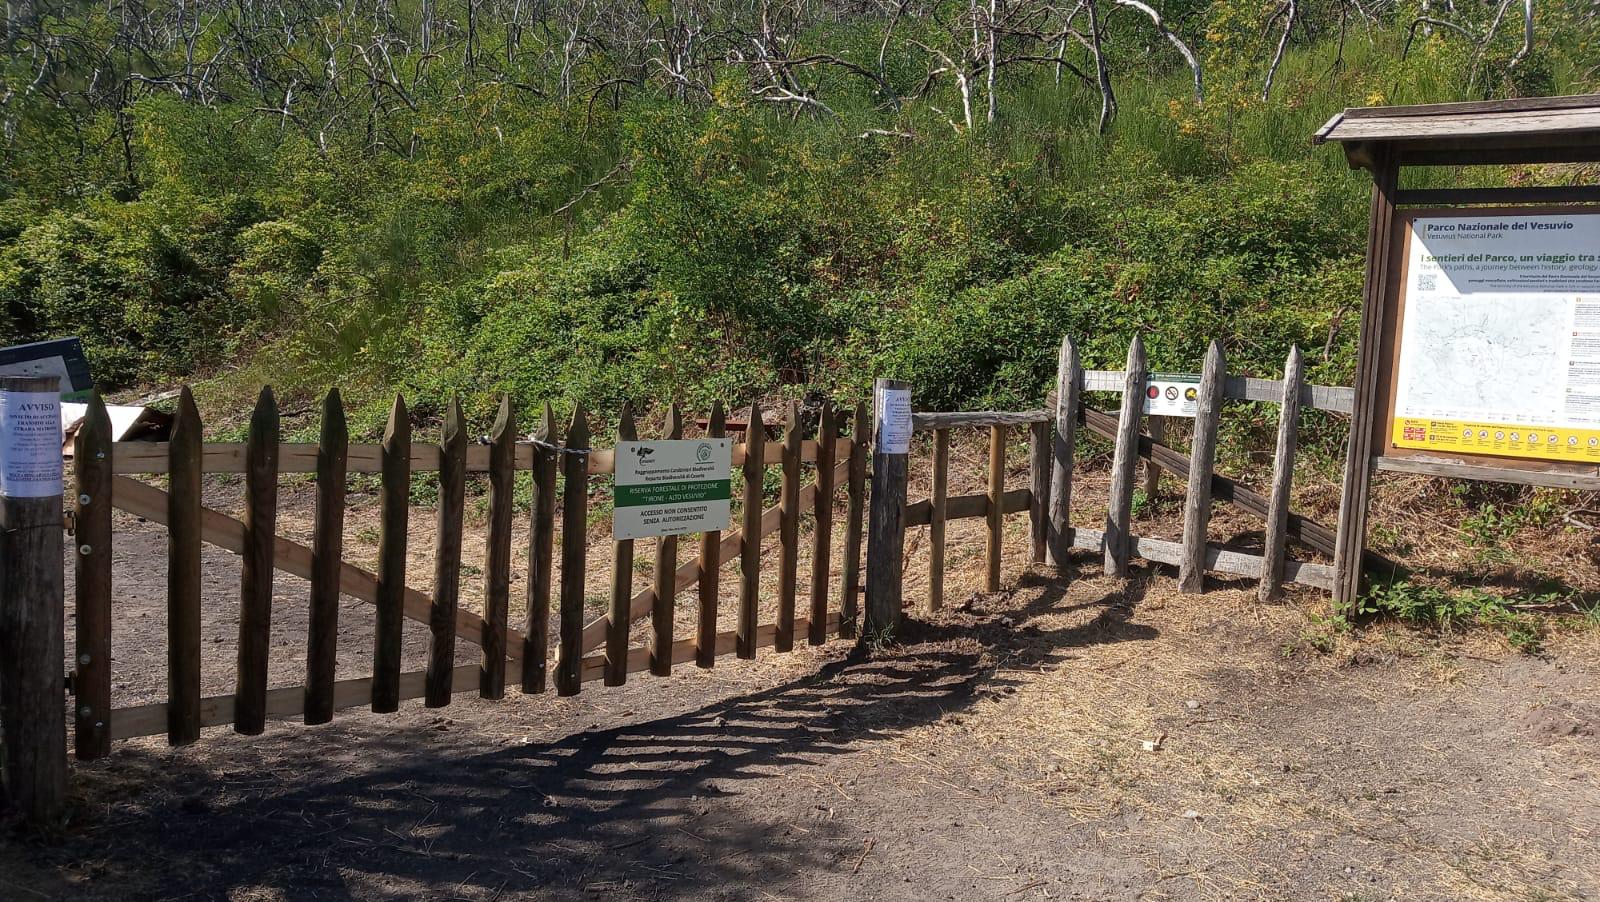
{"points": [[599, 649]]}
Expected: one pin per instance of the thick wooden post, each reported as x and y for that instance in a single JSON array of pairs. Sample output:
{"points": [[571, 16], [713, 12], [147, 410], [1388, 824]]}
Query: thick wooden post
{"points": [[665, 579], [327, 556], [91, 681], [856, 493], [1202, 460], [1069, 387], [32, 598], [1119, 509], [439, 684], [255, 570], [497, 553], [619, 618], [1350, 541], [996, 509], [940, 508], [886, 520], [1282, 479]]}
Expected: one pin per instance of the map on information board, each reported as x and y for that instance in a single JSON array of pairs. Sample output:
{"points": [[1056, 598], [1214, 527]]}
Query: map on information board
{"points": [[1500, 336]]}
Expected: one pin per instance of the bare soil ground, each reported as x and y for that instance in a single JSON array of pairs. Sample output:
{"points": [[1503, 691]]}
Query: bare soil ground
{"points": [[1065, 739]]}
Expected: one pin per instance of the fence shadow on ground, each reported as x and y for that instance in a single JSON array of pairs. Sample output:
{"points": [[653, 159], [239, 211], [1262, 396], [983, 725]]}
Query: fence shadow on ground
{"points": [[632, 809]]}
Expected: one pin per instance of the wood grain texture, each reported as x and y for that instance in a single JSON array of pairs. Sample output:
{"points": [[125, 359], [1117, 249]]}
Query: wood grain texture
{"points": [[1221, 560], [1069, 395], [32, 643], [1335, 399], [938, 512], [976, 419], [710, 566], [91, 681], [1156, 428], [886, 533], [822, 526], [789, 529], [1119, 509], [1354, 493], [443, 626], [619, 616], [968, 507], [256, 566], [664, 580], [750, 547], [855, 521], [574, 549], [183, 574], [497, 550], [1275, 547], [327, 554], [1202, 460], [1039, 491], [541, 556], [394, 528]]}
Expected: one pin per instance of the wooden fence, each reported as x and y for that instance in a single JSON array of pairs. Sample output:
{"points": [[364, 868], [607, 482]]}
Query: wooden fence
{"points": [[562, 465], [1052, 436], [599, 649]]}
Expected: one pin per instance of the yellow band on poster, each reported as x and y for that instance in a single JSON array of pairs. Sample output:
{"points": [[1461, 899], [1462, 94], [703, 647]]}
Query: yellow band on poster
{"points": [[1505, 440]]}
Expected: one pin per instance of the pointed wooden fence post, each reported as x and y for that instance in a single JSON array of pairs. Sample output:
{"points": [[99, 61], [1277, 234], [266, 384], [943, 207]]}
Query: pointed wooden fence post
{"points": [[33, 599], [755, 435], [665, 579], [1069, 386], [619, 620], [327, 554], [574, 549], [91, 682], [255, 570], [394, 526], [705, 643], [788, 530], [1202, 460], [855, 527], [541, 555], [1119, 509], [183, 573], [439, 683], [822, 533], [497, 553], [886, 527], [1282, 479]]}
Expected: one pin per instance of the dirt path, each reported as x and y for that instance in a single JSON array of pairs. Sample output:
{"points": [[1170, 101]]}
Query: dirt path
{"points": [[999, 753]]}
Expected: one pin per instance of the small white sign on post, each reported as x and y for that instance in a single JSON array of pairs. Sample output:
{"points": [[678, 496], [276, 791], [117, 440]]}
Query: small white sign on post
{"points": [[1172, 395], [672, 487], [30, 444], [893, 416]]}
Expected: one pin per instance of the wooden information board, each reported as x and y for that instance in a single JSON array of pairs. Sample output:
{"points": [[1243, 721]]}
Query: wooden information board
{"points": [[1491, 339]]}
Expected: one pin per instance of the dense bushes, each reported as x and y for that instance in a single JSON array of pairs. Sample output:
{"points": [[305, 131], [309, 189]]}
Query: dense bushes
{"points": [[648, 248]]}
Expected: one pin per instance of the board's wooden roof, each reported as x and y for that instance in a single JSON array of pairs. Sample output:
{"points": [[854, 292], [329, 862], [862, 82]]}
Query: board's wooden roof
{"points": [[1452, 121]]}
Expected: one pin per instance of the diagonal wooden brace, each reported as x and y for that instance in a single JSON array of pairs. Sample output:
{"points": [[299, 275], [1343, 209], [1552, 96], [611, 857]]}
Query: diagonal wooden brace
{"points": [[227, 533]]}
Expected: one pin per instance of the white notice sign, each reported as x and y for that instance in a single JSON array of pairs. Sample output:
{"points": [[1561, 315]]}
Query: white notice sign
{"points": [[1500, 336], [893, 416], [1172, 395], [30, 444], [672, 487]]}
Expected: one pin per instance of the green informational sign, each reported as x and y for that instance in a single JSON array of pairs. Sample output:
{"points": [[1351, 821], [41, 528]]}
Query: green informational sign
{"points": [[672, 487]]}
